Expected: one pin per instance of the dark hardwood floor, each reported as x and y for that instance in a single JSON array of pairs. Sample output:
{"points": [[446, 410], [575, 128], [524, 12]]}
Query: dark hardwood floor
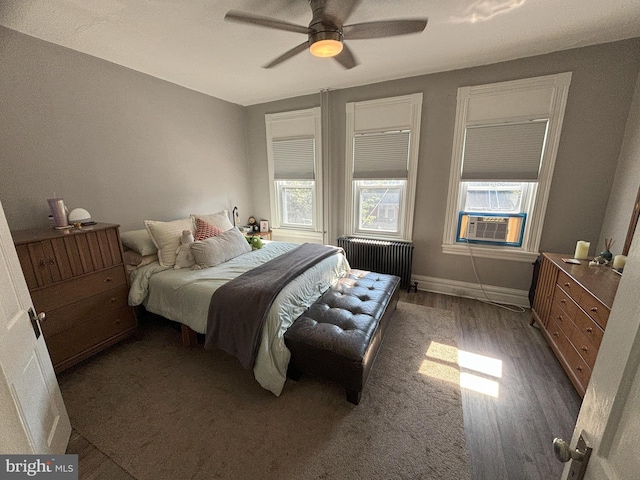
{"points": [[509, 433]]}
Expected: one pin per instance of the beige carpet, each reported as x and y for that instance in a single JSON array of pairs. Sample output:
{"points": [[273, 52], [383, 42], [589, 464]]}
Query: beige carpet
{"points": [[162, 411]]}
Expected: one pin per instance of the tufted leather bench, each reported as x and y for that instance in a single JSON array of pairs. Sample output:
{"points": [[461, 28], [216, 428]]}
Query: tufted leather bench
{"points": [[339, 336]]}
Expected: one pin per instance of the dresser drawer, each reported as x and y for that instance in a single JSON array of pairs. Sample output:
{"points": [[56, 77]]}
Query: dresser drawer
{"points": [[89, 334], [561, 320], [595, 309], [69, 316], [564, 301], [585, 348], [558, 336], [570, 286], [590, 329], [578, 367], [74, 290]]}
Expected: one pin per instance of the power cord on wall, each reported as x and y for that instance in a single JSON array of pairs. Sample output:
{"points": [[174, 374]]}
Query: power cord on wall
{"points": [[506, 306]]}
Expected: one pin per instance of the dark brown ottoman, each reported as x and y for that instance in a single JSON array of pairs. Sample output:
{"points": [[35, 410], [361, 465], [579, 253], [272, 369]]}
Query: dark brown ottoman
{"points": [[339, 336]]}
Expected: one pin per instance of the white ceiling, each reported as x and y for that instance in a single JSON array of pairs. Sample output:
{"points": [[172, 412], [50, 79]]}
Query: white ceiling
{"points": [[188, 42]]}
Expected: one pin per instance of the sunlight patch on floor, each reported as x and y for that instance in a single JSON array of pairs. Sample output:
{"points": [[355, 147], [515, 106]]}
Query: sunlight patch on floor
{"points": [[450, 364]]}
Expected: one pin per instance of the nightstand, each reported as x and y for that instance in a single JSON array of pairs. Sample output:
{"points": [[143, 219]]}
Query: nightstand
{"points": [[263, 235]]}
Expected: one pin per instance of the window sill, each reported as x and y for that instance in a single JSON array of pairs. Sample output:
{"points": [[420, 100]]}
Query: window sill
{"points": [[497, 253]]}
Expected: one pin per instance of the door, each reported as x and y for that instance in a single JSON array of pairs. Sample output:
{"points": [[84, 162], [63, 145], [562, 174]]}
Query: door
{"points": [[609, 419], [34, 419]]}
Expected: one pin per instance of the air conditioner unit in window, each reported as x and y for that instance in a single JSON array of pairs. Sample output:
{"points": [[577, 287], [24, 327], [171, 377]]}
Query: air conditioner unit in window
{"points": [[491, 228]]}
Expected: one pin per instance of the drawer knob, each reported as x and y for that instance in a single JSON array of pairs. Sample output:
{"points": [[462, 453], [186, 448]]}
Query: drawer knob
{"points": [[594, 309], [589, 330], [556, 334], [567, 284], [563, 301], [52, 261], [579, 368], [108, 279], [559, 317], [584, 348], [113, 300], [117, 320], [42, 264]]}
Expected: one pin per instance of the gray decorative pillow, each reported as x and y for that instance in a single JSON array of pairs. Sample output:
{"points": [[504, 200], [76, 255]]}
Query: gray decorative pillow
{"points": [[139, 241], [219, 249]]}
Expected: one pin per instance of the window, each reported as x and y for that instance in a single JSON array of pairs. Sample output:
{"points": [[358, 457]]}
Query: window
{"points": [[293, 150], [382, 153], [505, 143]]}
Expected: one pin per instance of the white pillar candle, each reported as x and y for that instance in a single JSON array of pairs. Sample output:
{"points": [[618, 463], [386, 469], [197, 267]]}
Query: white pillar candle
{"points": [[619, 261], [582, 250]]}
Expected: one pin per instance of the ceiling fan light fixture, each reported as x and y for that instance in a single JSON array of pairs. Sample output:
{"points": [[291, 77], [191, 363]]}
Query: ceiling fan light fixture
{"points": [[325, 44]]}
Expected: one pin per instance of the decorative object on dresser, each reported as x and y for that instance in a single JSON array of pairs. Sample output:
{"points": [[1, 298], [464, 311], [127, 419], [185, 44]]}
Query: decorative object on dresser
{"points": [[571, 305], [77, 278]]}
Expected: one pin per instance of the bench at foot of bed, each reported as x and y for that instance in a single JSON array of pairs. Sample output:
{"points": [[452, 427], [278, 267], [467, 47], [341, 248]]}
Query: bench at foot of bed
{"points": [[339, 336]]}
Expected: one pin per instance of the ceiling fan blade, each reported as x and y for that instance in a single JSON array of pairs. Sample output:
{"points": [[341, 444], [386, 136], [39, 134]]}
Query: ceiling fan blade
{"points": [[384, 28], [346, 57], [339, 11], [287, 55], [265, 22]]}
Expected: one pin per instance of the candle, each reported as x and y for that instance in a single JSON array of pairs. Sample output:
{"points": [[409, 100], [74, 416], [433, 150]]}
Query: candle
{"points": [[619, 262], [582, 250]]}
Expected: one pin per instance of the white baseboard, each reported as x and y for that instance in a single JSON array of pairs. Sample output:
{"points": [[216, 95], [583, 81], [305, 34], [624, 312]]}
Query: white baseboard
{"points": [[456, 288]]}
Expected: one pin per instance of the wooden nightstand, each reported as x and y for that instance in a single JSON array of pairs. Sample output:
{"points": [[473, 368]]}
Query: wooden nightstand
{"points": [[264, 235], [78, 279]]}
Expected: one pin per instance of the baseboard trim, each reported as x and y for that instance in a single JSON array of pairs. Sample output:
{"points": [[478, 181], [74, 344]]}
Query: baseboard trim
{"points": [[456, 288]]}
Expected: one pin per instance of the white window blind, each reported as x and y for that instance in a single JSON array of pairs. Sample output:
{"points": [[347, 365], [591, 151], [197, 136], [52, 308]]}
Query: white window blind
{"points": [[505, 152], [381, 155], [294, 159]]}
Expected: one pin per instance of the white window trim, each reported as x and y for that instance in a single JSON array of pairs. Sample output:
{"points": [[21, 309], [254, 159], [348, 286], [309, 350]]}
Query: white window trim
{"points": [[559, 84], [414, 101], [293, 124]]}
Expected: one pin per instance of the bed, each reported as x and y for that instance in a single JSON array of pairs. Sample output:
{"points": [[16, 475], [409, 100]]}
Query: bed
{"points": [[184, 295]]}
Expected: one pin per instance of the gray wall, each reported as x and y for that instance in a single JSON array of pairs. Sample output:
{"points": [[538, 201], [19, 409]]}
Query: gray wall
{"points": [[626, 182], [123, 145], [600, 95], [130, 147]]}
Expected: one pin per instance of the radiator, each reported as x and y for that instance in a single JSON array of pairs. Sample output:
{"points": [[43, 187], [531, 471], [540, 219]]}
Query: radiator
{"points": [[380, 256]]}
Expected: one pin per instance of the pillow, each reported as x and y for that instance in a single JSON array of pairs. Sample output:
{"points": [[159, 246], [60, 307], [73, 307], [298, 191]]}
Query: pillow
{"points": [[205, 230], [166, 237], [219, 220], [133, 258], [139, 241], [219, 249]]}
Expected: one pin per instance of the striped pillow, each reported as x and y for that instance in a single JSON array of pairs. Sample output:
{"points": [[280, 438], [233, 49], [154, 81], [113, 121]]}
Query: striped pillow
{"points": [[205, 230]]}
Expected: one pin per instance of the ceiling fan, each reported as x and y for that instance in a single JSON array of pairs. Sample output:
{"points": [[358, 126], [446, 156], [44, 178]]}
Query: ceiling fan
{"points": [[326, 31]]}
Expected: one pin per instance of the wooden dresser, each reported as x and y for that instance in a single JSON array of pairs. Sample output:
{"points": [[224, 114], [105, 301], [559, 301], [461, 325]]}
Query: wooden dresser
{"points": [[78, 279], [572, 305]]}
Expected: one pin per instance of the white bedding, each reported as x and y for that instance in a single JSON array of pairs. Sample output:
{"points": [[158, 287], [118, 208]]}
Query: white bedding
{"points": [[183, 295]]}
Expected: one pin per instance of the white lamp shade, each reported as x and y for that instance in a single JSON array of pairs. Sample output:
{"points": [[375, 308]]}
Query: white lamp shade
{"points": [[79, 215]]}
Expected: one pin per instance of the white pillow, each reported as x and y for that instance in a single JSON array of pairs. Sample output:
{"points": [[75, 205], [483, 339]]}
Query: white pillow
{"points": [[219, 220], [139, 241], [219, 249], [166, 237]]}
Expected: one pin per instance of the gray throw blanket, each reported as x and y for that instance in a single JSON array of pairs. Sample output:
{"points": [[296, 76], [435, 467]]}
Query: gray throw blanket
{"points": [[239, 308]]}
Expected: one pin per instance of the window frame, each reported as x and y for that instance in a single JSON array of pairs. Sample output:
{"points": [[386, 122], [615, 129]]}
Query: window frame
{"points": [[291, 125], [358, 230], [381, 116], [545, 99], [281, 207]]}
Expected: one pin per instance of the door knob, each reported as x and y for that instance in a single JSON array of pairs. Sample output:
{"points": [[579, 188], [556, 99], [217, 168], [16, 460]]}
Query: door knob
{"points": [[580, 456], [564, 452]]}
